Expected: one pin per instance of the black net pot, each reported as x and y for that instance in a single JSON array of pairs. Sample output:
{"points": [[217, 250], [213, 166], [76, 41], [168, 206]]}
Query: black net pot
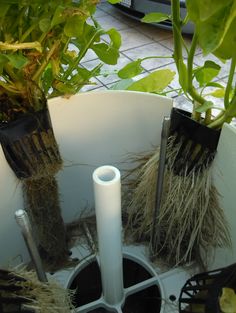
{"points": [[29, 145], [198, 143], [201, 292]]}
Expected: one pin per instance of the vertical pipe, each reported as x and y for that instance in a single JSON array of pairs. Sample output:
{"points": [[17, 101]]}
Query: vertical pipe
{"points": [[155, 233], [107, 192], [22, 220]]}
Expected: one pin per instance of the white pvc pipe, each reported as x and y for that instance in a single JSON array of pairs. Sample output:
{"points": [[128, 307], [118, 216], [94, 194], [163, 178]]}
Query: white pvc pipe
{"points": [[107, 192]]}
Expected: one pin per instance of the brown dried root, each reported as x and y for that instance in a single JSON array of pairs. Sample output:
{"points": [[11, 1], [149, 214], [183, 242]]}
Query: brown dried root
{"points": [[190, 220], [22, 288], [43, 207]]}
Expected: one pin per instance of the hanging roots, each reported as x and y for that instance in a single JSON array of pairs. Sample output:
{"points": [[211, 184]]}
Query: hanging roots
{"points": [[43, 207], [22, 288], [190, 220]]}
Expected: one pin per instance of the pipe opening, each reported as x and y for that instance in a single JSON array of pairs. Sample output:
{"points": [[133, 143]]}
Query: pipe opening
{"points": [[106, 174]]}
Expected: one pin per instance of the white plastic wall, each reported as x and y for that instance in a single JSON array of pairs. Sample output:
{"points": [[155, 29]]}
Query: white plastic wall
{"points": [[225, 180], [92, 129]]}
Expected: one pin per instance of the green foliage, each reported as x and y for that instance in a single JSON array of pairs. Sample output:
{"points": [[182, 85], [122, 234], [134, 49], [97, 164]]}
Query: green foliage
{"points": [[114, 1], [122, 84], [213, 20], [154, 82], [206, 73], [155, 18], [42, 43], [204, 107], [214, 31], [130, 70]]}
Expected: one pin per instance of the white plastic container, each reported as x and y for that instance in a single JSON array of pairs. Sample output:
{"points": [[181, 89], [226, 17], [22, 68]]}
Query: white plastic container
{"points": [[92, 129]]}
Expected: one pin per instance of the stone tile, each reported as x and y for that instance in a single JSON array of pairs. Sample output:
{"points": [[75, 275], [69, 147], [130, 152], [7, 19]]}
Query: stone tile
{"points": [[225, 79], [169, 43], [109, 71], [148, 50], [131, 38], [99, 13], [183, 103], [90, 55], [132, 22], [171, 93], [108, 8], [95, 84], [109, 21], [153, 32]]}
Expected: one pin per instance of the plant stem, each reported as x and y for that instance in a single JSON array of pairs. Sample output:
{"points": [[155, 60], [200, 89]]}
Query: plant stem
{"points": [[227, 115], [9, 88], [10, 72], [191, 90], [45, 61], [82, 53], [27, 33], [196, 115], [175, 11], [158, 57], [218, 123], [20, 46], [190, 61], [207, 119], [230, 81], [21, 14]]}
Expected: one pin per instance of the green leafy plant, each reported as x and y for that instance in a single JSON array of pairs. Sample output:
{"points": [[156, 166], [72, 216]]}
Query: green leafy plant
{"points": [[189, 217], [42, 44], [214, 32]]}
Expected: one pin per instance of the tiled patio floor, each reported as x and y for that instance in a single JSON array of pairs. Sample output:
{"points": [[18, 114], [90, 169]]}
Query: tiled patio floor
{"points": [[139, 40]]}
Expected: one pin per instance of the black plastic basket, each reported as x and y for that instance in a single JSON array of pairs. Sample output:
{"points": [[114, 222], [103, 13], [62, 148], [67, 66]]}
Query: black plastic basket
{"points": [[201, 292], [198, 142], [29, 144]]}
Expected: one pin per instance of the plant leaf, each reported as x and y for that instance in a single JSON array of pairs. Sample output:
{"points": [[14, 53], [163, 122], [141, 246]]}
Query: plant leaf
{"points": [[114, 1], [228, 47], [155, 17], [106, 53], [154, 82], [64, 88], [218, 93], [74, 26], [115, 38], [206, 106], [3, 59], [213, 20], [17, 60], [47, 79], [130, 70], [58, 16], [207, 72], [45, 24], [3, 9], [213, 84], [122, 84], [204, 9]]}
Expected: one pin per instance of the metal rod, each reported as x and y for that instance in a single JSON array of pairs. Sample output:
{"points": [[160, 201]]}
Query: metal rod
{"points": [[22, 220], [160, 179]]}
